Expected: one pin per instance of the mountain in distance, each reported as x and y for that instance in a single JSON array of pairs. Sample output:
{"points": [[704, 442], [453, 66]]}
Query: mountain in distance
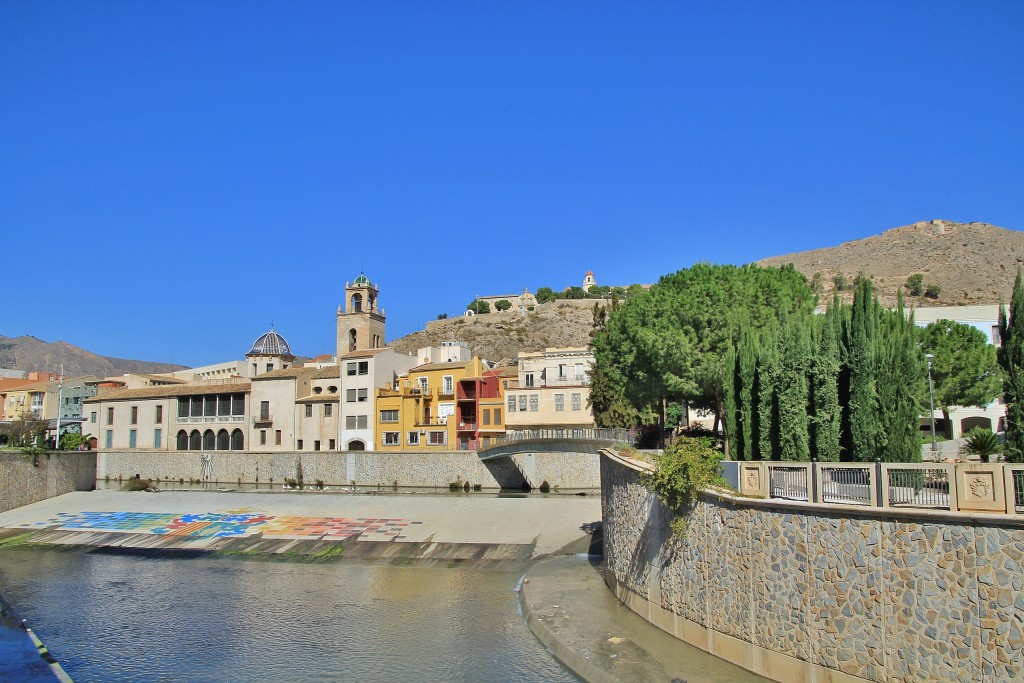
{"points": [[971, 263], [32, 354]]}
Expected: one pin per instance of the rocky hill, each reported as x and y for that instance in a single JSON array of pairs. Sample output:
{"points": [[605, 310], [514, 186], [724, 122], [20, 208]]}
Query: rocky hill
{"points": [[971, 263], [496, 336], [29, 353]]}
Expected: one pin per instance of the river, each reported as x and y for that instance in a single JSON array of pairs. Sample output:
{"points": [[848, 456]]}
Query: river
{"points": [[111, 617]]}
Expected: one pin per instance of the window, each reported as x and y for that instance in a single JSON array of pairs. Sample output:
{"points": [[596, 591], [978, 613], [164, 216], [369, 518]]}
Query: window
{"points": [[110, 415], [318, 390], [350, 369], [391, 439], [110, 438], [497, 416], [511, 404], [263, 437], [423, 385], [210, 406], [159, 415], [183, 407], [309, 410], [182, 443], [437, 438], [580, 373], [195, 440], [389, 416], [92, 416], [316, 445], [328, 409], [132, 438], [529, 379], [237, 406], [522, 403], [223, 440], [270, 366], [157, 438], [487, 416], [264, 410], [361, 395], [355, 422], [350, 395], [534, 403], [332, 389], [559, 402], [561, 371], [364, 367], [576, 401], [414, 438], [448, 384], [299, 444], [277, 437], [333, 444]]}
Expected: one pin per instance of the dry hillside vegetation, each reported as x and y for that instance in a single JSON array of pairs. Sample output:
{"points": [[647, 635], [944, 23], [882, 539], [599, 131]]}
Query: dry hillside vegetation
{"points": [[30, 353], [972, 263], [496, 336]]}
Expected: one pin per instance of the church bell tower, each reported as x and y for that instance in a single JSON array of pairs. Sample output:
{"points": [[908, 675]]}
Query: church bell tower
{"points": [[360, 324]]}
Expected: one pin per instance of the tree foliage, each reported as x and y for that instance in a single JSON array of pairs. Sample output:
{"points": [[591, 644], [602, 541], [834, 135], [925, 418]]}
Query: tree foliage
{"points": [[1011, 359], [502, 304], [965, 371], [479, 306], [681, 471]]}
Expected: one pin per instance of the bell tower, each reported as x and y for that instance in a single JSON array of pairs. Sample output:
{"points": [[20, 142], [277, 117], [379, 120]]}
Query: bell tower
{"points": [[360, 323]]}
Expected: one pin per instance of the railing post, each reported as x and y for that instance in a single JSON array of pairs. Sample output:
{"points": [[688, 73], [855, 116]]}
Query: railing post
{"points": [[878, 480], [814, 482]]}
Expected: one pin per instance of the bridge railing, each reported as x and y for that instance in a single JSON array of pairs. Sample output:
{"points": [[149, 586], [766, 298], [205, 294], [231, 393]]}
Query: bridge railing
{"points": [[603, 435], [953, 487]]}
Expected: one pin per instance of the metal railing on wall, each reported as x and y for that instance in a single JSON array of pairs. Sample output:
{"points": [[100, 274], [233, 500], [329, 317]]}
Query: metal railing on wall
{"points": [[953, 487]]}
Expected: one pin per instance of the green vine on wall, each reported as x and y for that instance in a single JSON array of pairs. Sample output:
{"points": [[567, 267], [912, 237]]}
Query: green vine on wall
{"points": [[688, 466]]}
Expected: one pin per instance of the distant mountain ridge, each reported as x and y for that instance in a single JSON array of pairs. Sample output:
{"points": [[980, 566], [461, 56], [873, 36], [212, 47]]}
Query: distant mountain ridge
{"points": [[32, 354], [972, 263]]}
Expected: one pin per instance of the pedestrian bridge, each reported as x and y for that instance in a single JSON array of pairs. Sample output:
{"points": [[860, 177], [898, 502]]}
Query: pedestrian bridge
{"points": [[570, 439]]}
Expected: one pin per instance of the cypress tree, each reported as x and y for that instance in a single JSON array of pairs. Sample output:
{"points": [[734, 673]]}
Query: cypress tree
{"points": [[1011, 358], [767, 407], [862, 354], [900, 375], [793, 389], [824, 386]]}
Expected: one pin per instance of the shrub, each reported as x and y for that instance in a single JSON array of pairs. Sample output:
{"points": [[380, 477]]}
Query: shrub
{"points": [[983, 443], [932, 291], [688, 466], [915, 284], [137, 485]]}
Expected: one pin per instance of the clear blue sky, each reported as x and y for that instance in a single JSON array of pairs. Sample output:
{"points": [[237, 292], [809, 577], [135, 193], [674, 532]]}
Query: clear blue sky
{"points": [[175, 176]]}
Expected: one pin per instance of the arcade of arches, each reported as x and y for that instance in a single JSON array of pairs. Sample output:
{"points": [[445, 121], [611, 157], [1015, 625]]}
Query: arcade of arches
{"points": [[210, 440]]}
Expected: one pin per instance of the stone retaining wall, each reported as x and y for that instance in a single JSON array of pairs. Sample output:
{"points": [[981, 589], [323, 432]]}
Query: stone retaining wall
{"points": [[26, 479], [800, 592], [565, 470]]}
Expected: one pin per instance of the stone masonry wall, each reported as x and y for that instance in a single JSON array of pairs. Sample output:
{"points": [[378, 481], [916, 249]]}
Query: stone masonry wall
{"points": [[365, 468], [887, 596], [26, 479]]}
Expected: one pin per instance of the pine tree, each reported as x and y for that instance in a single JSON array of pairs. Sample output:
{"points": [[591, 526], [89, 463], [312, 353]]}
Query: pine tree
{"points": [[1011, 359]]}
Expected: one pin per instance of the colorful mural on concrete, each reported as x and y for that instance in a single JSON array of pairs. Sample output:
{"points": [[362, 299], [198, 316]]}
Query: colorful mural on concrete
{"points": [[228, 525]]}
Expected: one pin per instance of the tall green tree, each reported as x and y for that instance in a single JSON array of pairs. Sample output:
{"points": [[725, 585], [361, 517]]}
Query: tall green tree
{"points": [[824, 385], [793, 388], [607, 399], [900, 382], [861, 351], [965, 370], [1011, 360]]}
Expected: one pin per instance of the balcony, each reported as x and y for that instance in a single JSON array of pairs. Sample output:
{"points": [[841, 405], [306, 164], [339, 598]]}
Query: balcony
{"points": [[432, 422], [467, 426], [574, 381], [262, 420]]}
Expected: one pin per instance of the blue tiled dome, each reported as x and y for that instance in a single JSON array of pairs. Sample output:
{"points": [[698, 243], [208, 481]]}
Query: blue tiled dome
{"points": [[270, 344]]}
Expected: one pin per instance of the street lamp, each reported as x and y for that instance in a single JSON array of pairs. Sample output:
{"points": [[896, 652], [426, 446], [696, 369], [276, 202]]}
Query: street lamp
{"points": [[931, 401]]}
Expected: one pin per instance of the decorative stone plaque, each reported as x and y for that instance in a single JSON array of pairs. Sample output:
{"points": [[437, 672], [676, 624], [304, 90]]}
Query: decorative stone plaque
{"points": [[979, 489]]}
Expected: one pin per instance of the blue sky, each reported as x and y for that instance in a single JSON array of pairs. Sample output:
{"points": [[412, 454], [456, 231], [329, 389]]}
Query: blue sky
{"points": [[176, 176]]}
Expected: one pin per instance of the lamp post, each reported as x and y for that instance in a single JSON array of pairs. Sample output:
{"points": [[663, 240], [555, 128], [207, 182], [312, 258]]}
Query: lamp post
{"points": [[60, 395], [931, 402]]}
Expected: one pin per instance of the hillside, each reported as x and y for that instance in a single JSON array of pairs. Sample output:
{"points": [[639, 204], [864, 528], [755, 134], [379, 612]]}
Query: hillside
{"points": [[29, 353], [972, 263], [495, 336]]}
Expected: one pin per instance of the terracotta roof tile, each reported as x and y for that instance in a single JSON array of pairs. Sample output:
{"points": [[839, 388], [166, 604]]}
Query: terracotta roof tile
{"points": [[169, 391]]}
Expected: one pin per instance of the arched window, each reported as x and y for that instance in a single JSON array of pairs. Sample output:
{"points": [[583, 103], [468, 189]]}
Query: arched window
{"points": [[356, 445], [237, 440], [223, 440], [357, 303], [352, 339], [209, 440], [182, 440], [195, 440]]}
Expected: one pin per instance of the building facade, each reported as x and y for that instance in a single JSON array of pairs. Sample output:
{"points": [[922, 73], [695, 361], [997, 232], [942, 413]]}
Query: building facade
{"points": [[552, 390]]}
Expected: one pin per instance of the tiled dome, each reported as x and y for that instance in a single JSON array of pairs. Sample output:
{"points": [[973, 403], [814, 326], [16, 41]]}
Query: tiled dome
{"points": [[362, 280], [270, 344]]}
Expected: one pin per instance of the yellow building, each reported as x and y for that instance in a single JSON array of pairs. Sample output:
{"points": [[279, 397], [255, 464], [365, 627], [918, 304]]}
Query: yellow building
{"points": [[422, 411]]}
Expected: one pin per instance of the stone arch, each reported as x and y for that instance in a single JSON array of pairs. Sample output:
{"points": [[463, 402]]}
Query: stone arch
{"points": [[357, 303], [195, 440], [356, 445], [237, 440], [223, 440], [209, 440], [182, 440], [352, 339]]}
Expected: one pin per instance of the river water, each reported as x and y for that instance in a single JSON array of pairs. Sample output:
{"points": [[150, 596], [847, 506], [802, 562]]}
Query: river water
{"points": [[125, 618]]}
